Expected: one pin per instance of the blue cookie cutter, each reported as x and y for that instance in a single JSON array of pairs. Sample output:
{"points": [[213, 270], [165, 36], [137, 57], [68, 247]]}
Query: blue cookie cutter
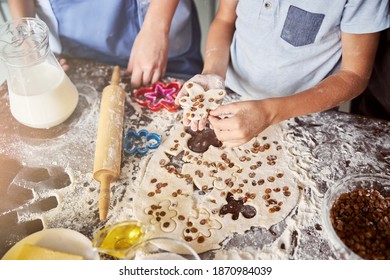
{"points": [[141, 141]]}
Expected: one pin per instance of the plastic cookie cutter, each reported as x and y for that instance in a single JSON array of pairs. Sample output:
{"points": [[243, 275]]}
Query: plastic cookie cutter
{"points": [[158, 96], [141, 141]]}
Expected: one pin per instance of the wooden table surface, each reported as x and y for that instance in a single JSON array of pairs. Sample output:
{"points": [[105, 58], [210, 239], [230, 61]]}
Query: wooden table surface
{"points": [[46, 175]]}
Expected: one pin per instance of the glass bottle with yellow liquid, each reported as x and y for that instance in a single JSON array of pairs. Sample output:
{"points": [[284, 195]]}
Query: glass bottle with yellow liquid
{"points": [[117, 239]]}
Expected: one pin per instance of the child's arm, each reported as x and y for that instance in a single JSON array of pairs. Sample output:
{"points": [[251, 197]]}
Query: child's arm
{"points": [[22, 8], [249, 118], [149, 55], [219, 39], [358, 56]]}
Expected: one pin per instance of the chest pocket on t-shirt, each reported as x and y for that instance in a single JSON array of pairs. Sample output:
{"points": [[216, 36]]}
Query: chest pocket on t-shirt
{"points": [[301, 27]]}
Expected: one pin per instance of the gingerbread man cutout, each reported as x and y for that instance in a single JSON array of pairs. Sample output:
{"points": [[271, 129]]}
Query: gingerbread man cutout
{"points": [[199, 228], [201, 140], [162, 214], [235, 207]]}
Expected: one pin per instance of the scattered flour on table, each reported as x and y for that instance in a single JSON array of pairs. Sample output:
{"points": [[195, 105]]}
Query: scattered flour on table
{"points": [[313, 142]]}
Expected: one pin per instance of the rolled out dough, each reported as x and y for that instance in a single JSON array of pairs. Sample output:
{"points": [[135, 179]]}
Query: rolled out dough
{"points": [[201, 198]]}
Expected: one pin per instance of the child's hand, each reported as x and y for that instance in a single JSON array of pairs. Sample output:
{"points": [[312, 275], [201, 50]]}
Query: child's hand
{"points": [[148, 57], [237, 123], [64, 64]]}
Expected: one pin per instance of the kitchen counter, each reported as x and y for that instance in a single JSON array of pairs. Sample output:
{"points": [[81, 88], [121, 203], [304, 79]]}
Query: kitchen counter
{"points": [[46, 175]]}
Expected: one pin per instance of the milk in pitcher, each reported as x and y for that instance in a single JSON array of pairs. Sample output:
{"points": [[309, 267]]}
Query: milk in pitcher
{"points": [[45, 98], [40, 93]]}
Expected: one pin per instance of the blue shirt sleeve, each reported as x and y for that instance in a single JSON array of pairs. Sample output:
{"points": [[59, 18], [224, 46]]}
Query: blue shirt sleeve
{"points": [[365, 16]]}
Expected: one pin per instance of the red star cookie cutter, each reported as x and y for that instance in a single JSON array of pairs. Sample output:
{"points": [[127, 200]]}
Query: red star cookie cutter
{"points": [[158, 96]]}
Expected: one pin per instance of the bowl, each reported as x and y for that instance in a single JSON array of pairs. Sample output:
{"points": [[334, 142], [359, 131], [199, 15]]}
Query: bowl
{"points": [[162, 248], [116, 239], [59, 239], [351, 222]]}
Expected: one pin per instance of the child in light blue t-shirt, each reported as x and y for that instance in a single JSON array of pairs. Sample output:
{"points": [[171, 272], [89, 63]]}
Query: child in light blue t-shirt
{"points": [[287, 58]]}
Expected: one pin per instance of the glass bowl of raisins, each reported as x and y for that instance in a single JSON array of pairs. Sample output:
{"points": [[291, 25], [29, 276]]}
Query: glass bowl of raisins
{"points": [[356, 214]]}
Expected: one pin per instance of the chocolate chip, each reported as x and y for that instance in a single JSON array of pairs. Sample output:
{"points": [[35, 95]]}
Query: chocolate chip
{"points": [[201, 239], [271, 179], [266, 196], [181, 217], [260, 182], [188, 238]]}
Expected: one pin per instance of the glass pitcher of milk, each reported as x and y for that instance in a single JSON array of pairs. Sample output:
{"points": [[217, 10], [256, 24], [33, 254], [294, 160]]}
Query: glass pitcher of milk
{"points": [[41, 95]]}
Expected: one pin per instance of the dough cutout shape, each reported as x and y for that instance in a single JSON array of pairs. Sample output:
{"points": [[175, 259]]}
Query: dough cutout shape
{"points": [[197, 103], [207, 196]]}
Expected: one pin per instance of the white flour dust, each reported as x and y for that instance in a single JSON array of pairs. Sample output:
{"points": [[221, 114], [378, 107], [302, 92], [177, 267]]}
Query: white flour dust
{"points": [[323, 148]]}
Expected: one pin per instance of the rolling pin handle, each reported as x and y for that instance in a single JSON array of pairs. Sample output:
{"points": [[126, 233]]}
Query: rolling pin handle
{"points": [[116, 76], [104, 196]]}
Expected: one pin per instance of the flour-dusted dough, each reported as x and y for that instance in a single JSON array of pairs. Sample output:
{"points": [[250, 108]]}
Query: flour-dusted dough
{"points": [[197, 103], [202, 198]]}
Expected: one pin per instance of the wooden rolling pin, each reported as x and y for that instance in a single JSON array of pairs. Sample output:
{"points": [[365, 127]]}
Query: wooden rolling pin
{"points": [[107, 164]]}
